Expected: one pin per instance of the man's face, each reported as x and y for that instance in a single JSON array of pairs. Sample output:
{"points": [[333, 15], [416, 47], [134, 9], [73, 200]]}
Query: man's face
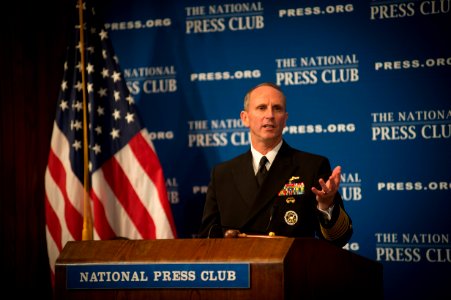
{"points": [[266, 115]]}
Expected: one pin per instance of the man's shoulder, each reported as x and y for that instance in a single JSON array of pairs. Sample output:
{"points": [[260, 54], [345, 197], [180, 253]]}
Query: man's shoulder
{"points": [[302, 157], [310, 155], [288, 150], [237, 160]]}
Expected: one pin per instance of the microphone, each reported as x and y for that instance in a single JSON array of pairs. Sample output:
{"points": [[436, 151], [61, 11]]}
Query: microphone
{"points": [[215, 231], [271, 216]]}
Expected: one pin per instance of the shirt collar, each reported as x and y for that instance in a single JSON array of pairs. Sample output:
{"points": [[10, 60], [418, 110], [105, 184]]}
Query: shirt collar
{"points": [[271, 155]]}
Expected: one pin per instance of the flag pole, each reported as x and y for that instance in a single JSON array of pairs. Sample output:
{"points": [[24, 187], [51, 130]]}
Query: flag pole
{"points": [[87, 232]]}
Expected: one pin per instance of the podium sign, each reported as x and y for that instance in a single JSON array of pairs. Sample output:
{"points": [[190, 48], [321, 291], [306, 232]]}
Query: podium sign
{"points": [[156, 275], [241, 268]]}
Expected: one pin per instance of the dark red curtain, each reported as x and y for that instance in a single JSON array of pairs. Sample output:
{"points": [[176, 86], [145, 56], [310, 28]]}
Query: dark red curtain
{"points": [[34, 35]]}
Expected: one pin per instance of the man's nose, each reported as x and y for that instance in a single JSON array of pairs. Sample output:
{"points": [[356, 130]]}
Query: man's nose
{"points": [[269, 113]]}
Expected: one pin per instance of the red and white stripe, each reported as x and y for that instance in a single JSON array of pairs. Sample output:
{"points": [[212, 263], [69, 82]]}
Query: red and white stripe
{"points": [[128, 196]]}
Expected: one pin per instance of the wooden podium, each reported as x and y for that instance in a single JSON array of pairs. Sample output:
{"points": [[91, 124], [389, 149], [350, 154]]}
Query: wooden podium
{"points": [[279, 268]]}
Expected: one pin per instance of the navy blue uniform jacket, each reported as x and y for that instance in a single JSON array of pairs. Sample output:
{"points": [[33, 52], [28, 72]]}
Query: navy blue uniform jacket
{"points": [[284, 205]]}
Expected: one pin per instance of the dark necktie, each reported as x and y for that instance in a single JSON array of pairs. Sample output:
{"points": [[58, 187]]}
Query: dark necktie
{"points": [[262, 171]]}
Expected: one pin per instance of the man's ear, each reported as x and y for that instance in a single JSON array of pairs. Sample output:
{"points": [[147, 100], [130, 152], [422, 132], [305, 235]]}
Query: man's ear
{"points": [[244, 118]]}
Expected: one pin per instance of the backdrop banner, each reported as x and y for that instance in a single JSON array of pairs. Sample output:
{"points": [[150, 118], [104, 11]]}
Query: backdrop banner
{"points": [[368, 84]]}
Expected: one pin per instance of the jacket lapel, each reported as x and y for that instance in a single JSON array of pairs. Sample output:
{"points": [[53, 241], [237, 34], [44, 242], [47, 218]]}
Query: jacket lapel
{"points": [[244, 177], [279, 174]]}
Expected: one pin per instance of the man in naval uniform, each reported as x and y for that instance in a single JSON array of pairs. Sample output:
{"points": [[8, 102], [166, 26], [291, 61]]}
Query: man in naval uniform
{"points": [[274, 189]]}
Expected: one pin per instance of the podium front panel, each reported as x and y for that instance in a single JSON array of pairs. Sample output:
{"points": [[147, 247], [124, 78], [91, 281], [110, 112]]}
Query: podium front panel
{"points": [[279, 268]]}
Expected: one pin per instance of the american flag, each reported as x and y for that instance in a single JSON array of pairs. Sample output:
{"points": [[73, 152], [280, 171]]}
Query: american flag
{"points": [[127, 191]]}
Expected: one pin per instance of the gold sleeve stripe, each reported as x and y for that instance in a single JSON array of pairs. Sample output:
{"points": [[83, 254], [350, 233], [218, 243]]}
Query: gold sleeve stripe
{"points": [[340, 227]]}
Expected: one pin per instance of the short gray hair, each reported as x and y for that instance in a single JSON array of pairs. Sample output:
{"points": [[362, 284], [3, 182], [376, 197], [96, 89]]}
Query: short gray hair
{"points": [[271, 84]]}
